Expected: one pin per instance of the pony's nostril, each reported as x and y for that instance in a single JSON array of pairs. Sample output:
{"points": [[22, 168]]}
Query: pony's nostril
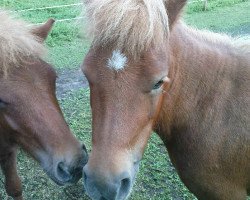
{"points": [[84, 148], [85, 156], [125, 184], [63, 172], [84, 176], [125, 187]]}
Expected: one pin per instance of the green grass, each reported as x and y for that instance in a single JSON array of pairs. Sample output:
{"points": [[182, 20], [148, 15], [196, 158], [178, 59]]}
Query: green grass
{"points": [[157, 178], [212, 5], [226, 19], [27, 4]]}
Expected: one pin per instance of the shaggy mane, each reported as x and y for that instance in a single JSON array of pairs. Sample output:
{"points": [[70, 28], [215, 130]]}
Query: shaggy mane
{"points": [[243, 44], [16, 42], [128, 25], [240, 43]]}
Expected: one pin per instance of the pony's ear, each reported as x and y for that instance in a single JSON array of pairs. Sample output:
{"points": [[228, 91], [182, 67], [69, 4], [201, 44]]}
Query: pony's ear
{"points": [[43, 30], [174, 9]]}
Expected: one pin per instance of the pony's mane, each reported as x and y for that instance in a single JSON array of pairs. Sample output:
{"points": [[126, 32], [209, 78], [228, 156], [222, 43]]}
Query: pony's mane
{"points": [[240, 43], [243, 44], [16, 42], [128, 25]]}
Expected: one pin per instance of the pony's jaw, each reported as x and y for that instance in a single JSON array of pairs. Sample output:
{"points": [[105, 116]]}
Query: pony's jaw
{"points": [[62, 163]]}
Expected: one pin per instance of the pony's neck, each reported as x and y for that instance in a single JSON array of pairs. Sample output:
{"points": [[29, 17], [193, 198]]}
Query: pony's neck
{"points": [[199, 65]]}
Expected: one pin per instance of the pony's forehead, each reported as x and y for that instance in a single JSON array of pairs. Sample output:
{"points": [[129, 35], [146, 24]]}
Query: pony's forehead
{"points": [[117, 61], [134, 26]]}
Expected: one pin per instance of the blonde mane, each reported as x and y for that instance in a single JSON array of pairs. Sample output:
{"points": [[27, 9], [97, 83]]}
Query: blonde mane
{"points": [[128, 25], [16, 42], [243, 44]]}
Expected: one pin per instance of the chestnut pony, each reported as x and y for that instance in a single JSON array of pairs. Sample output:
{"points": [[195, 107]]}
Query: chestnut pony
{"points": [[148, 71], [30, 116]]}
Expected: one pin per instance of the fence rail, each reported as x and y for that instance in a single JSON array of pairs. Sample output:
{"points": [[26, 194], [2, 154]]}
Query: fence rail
{"points": [[79, 4], [50, 7], [59, 20]]}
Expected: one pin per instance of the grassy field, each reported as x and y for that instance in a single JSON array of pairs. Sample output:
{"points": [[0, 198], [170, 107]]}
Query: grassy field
{"points": [[157, 178]]}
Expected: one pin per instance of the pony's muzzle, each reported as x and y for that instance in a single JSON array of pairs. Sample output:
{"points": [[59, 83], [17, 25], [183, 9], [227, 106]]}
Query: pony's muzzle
{"points": [[71, 172], [111, 188]]}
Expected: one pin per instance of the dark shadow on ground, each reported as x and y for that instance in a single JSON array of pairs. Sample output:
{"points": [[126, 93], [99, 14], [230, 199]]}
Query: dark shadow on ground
{"points": [[70, 80]]}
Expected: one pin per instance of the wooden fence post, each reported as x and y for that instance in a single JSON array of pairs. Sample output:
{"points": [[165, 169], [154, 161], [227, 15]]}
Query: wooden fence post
{"points": [[205, 5]]}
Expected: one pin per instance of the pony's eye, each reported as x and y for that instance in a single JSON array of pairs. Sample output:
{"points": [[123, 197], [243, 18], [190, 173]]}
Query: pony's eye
{"points": [[2, 104], [158, 84]]}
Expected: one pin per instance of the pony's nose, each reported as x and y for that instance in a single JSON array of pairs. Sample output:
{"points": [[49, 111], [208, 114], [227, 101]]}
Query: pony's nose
{"points": [[63, 173], [113, 188], [71, 172]]}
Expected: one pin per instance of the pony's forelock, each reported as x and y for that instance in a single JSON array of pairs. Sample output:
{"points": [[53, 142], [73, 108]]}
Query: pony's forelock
{"points": [[129, 25], [16, 42]]}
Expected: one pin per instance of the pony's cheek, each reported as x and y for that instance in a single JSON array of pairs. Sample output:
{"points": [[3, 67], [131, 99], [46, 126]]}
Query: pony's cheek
{"points": [[156, 104]]}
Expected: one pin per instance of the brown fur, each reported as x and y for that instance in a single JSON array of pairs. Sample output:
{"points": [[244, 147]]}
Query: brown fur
{"points": [[30, 116], [207, 134], [202, 115]]}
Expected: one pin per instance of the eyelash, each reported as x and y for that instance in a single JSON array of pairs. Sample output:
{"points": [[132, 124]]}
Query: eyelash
{"points": [[158, 85]]}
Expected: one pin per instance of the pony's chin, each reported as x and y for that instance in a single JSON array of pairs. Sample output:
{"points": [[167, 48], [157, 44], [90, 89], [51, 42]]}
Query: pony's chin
{"points": [[94, 194], [61, 182]]}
